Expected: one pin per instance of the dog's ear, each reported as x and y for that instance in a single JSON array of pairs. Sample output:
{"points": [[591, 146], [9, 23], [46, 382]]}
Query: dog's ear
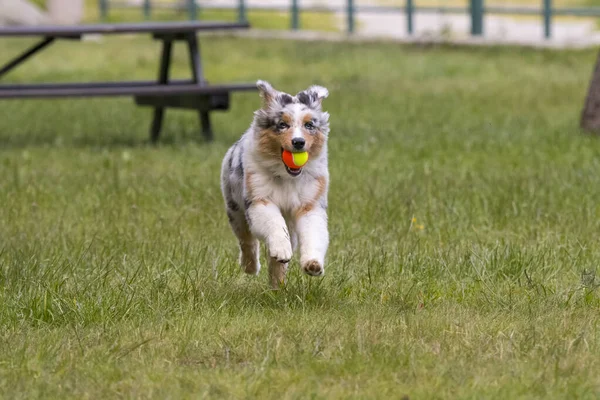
{"points": [[272, 98], [313, 96], [266, 91]]}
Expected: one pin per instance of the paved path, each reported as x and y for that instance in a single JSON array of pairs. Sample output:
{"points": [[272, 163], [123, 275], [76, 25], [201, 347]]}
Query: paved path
{"points": [[496, 29]]}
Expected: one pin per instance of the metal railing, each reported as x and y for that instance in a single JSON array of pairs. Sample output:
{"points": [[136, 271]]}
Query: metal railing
{"points": [[476, 9]]}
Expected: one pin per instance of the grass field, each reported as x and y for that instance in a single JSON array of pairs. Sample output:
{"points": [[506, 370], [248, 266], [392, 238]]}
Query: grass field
{"points": [[464, 220]]}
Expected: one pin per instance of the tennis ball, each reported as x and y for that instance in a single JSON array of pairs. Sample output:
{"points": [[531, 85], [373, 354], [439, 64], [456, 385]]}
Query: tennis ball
{"points": [[294, 160]]}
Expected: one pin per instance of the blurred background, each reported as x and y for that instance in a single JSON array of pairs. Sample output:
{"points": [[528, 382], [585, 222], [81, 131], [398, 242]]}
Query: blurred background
{"points": [[518, 21]]}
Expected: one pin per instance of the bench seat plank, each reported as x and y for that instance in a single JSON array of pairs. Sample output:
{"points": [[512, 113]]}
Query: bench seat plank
{"points": [[157, 28], [58, 85]]}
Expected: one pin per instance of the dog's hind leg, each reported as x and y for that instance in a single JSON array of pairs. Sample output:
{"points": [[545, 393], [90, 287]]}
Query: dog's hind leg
{"points": [[249, 245], [277, 272]]}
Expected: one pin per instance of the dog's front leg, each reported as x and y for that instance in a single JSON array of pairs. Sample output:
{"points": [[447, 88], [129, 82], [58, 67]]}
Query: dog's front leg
{"points": [[314, 240], [267, 223]]}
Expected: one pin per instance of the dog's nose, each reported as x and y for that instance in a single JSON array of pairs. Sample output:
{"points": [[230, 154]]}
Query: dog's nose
{"points": [[298, 143]]}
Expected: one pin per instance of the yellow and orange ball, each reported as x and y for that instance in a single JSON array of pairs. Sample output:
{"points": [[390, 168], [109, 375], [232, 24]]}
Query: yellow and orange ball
{"points": [[294, 160]]}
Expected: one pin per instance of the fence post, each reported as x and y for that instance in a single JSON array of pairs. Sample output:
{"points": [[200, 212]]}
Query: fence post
{"points": [[409, 16], [103, 5], [350, 16], [547, 18], [295, 16], [192, 9], [476, 17], [147, 7], [242, 11]]}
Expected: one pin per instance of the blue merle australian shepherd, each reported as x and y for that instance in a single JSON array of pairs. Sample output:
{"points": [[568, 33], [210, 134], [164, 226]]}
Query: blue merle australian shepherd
{"points": [[268, 201]]}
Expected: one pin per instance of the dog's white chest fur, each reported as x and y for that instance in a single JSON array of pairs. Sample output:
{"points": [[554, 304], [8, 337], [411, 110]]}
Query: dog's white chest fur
{"points": [[288, 195]]}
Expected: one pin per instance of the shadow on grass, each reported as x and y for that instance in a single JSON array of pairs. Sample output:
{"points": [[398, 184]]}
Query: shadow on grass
{"points": [[253, 293]]}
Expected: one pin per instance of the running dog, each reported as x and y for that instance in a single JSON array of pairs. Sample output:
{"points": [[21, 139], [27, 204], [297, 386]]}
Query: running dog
{"points": [[270, 202]]}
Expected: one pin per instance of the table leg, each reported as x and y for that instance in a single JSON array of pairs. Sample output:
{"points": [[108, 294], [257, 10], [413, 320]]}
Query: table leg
{"points": [[163, 78], [21, 58], [198, 77]]}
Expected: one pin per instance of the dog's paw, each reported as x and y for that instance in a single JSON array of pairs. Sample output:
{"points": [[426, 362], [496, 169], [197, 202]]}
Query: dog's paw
{"points": [[313, 268], [280, 250]]}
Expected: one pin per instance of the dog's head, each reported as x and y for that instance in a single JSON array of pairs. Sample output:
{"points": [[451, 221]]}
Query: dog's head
{"points": [[294, 123]]}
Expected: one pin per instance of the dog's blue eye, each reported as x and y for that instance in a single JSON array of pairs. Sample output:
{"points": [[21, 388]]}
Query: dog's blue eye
{"points": [[309, 125], [282, 126]]}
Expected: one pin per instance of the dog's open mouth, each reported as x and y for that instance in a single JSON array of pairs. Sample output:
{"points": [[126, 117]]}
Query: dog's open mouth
{"points": [[293, 171]]}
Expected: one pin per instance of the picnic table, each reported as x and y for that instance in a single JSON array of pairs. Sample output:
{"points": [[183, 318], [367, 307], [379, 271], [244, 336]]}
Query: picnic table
{"points": [[193, 94]]}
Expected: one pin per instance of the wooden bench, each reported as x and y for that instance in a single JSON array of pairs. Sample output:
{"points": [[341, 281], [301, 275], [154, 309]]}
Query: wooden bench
{"points": [[193, 94]]}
